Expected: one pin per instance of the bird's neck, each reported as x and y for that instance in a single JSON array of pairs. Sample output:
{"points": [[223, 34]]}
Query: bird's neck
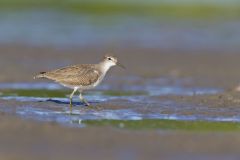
{"points": [[104, 66]]}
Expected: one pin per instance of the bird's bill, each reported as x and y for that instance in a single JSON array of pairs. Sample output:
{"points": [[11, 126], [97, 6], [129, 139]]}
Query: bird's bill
{"points": [[120, 65]]}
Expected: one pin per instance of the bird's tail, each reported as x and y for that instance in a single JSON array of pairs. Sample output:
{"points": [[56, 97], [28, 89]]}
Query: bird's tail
{"points": [[40, 75]]}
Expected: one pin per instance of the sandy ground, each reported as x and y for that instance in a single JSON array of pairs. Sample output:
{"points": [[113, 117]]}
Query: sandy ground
{"points": [[22, 139]]}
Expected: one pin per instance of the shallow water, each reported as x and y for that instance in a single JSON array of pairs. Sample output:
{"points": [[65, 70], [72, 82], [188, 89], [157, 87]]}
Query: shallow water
{"points": [[49, 102]]}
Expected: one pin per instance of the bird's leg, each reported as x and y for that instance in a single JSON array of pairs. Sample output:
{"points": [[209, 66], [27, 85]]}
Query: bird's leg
{"points": [[82, 99], [71, 96]]}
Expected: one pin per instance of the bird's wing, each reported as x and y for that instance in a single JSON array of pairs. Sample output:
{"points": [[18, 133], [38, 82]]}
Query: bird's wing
{"points": [[77, 75]]}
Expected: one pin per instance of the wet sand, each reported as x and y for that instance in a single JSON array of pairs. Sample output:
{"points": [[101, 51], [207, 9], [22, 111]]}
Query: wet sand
{"points": [[30, 139]]}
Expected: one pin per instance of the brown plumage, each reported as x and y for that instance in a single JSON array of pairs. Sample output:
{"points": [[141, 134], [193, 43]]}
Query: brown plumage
{"points": [[81, 77], [77, 75]]}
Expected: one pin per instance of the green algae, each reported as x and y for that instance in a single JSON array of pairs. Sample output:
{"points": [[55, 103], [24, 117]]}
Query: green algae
{"points": [[35, 93], [62, 93], [151, 124], [189, 10]]}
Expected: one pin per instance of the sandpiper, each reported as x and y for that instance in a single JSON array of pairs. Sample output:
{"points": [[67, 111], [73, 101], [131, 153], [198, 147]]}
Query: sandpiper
{"points": [[81, 77]]}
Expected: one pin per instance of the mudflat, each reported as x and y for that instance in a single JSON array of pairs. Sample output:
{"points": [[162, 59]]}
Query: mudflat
{"points": [[21, 139], [31, 129], [220, 67]]}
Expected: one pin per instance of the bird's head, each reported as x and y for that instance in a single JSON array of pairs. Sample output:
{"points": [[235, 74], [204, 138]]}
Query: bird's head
{"points": [[112, 61]]}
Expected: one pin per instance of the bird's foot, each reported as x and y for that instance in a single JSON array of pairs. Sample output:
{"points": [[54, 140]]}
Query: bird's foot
{"points": [[70, 108], [86, 103]]}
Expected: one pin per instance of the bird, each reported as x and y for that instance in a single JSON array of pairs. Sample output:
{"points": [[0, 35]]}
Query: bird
{"points": [[81, 77]]}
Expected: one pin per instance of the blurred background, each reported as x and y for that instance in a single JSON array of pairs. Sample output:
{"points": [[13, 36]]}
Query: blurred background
{"points": [[42, 35], [161, 24]]}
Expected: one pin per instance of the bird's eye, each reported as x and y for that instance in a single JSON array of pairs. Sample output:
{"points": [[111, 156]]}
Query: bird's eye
{"points": [[109, 59]]}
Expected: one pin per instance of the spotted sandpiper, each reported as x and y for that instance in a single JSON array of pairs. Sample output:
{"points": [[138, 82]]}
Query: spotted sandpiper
{"points": [[81, 77]]}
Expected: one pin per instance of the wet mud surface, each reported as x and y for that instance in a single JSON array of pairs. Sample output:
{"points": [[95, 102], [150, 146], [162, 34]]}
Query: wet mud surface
{"points": [[36, 140], [182, 106], [155, 98]]}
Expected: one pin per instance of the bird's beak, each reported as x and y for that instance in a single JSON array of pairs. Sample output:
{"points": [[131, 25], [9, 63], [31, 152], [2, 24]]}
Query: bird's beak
{"points": [[120, 65]]}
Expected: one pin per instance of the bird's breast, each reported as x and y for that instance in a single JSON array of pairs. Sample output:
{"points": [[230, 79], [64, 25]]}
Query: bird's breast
{"points": [[99, 80]]}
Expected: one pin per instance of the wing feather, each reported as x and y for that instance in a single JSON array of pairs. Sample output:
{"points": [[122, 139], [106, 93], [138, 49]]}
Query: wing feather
{"points": [[78, 75]]}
